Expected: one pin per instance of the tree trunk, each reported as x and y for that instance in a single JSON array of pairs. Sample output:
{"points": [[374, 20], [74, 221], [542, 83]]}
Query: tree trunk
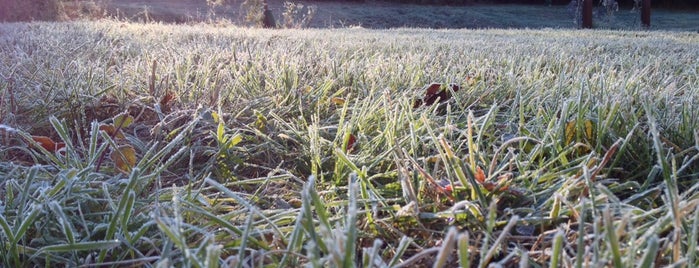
{"points": [[645, 14], [587, 14]]}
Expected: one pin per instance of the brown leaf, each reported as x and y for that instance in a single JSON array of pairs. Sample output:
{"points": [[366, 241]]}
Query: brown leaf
{"points": [[112, 131], [124, 158], [434, 92], [165, 101]]}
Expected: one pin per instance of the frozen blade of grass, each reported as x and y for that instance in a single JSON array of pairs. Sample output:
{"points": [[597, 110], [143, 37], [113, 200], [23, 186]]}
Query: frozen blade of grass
{"points": [[580, 249], [120, 213], [64, 177], [81, 246], [6, 228], [63, 133], [651, 252], [372, 255], [670, 177], [463, 245], [613, 238], [351, 223], [343, 157], [21, 230], [94, 149], [693, 236], [242, 249], [297, 234], [465, 175], [447, 247], [128, 209], [504, 234], [12, 252], [28, 181], [400, 250], [251, 208], [63, 221], [213, 254], [174, 236], [556, 250], [411, 262], [224, 223]]}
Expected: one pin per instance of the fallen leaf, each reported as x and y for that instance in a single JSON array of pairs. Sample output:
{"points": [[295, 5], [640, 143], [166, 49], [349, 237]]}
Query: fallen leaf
{"points": [[337, 100], [434, 92], [112, 131], [572, 129], [124, 158], [165, 101], [261, 122], [350, 143], [480, 175], [123, 120], [48, 144]]}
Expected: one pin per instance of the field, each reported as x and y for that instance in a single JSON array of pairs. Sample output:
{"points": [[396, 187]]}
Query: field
{"points": [[210, 146], [383, 15]]}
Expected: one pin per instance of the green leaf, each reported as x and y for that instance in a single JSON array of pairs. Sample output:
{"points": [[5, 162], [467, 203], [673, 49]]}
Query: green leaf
{"points": [[123, 120]]}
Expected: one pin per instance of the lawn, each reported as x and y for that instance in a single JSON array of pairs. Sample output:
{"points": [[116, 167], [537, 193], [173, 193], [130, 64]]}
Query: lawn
{"points": [[210, 146]]}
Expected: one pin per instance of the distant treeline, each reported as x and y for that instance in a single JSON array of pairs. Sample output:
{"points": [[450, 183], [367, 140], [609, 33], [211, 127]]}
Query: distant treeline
{"points": [[50, 10], [691, 4]]}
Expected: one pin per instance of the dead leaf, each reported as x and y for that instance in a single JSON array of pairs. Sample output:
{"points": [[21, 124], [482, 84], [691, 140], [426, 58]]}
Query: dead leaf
{"points": [[112, 131], [48, 144], [572, 129], [124, 158], [434, 92], [337, 100], [479, 174], [165, 101], [350, 143]]}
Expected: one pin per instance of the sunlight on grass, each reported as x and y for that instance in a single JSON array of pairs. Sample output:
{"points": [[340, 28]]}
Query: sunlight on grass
{"points": [[273, 148]]}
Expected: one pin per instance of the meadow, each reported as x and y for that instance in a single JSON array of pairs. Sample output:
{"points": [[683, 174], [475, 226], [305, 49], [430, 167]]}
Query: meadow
{"points": [[218, 146]]}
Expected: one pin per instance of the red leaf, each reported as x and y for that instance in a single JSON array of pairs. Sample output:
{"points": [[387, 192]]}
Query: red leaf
{"points": [[350, 143]]}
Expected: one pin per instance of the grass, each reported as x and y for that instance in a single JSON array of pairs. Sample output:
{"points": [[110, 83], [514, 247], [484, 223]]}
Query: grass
{"points": [[587, 141]]}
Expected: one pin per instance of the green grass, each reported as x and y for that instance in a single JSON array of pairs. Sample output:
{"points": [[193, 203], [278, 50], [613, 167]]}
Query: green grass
{"points": [[588, 137]]}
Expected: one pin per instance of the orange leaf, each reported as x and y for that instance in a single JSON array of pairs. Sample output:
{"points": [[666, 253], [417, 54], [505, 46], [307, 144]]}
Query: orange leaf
{"points": [[112, 131], [337, 100], [124, 158], [48, 144], [480, 175]]}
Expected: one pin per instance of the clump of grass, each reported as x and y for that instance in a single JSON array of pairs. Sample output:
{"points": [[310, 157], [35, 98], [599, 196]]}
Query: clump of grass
{"points": [[578, 152]]}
